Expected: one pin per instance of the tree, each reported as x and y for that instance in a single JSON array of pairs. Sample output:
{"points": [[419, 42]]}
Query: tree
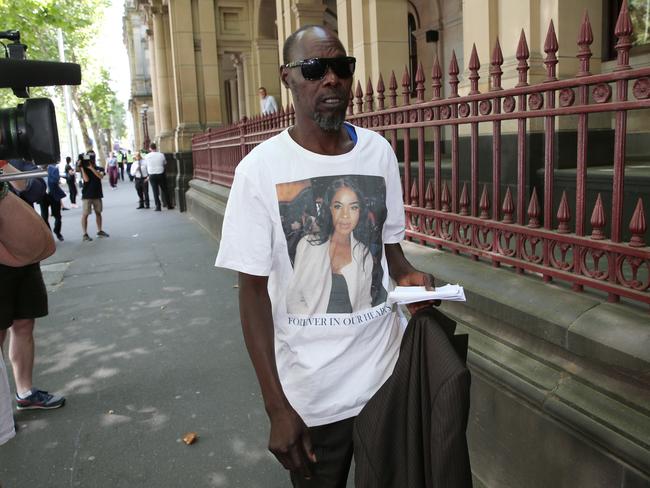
{"points": [[95, 103]]}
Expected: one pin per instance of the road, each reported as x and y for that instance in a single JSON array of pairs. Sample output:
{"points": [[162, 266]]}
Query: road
{"points": [[143, 339]]}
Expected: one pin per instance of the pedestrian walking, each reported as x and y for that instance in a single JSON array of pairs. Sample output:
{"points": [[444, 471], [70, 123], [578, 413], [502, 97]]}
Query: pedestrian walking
{"points": [[111, 168], [139, 173], [318, 329], [156, 162]]}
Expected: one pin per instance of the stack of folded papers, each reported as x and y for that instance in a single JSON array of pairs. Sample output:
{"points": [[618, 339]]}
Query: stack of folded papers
{"points": [[411, 294]]}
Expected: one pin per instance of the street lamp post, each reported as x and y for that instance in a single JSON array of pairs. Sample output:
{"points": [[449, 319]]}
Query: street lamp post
{"points": [[145, 127]]}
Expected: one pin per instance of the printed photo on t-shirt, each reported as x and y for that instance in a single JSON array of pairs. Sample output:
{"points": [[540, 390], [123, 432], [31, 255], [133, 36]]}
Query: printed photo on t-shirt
{"points": [[333, 226]]}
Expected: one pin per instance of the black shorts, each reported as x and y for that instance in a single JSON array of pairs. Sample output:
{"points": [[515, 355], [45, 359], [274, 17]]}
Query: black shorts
{"points": [[22, 294]]}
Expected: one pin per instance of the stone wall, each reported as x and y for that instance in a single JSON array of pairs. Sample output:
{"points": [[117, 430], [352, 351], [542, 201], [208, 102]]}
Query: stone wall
{"points": [[560, 388]]}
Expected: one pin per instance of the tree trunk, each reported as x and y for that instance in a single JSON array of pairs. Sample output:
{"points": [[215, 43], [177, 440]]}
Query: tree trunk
{"points": [[88, 142]]}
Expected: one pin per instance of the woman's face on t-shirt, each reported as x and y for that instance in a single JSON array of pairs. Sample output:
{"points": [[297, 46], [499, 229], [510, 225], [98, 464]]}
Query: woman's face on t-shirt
{"points": [[345, 208]]}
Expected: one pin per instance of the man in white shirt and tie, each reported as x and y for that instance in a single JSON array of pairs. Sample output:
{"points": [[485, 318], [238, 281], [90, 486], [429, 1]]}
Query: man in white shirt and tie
{"points": [[155, 162], [268, 104]]}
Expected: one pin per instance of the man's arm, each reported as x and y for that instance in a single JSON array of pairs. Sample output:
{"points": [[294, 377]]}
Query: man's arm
{"points": [[24, 237], [289, 439], [405, 274]]}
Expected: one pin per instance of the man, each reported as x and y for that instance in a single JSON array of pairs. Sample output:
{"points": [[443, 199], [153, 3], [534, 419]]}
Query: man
{"points": [[91, 195], [129, 163], [120, 158], [155, 163], [24, 241], [268, 104], [52, 200], [318, 369], [139, 172], [71, 180]]}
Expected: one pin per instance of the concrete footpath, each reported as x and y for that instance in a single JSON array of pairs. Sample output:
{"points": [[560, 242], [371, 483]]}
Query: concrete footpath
{"points": [[143, 339]]}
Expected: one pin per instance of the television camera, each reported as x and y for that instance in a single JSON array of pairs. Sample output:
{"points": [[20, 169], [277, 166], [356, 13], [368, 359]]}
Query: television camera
{"points": [[29, 130]]}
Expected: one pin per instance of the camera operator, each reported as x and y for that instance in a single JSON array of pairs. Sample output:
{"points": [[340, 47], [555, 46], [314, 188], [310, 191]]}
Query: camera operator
{"points": [[24, 241], [91, 194]]}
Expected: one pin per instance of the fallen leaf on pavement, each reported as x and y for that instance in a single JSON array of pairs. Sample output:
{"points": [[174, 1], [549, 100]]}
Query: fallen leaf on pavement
{"points": [[190, 438]]}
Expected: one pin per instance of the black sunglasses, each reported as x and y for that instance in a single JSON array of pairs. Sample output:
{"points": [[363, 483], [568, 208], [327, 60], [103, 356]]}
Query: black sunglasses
{"points": [[315, 68]]}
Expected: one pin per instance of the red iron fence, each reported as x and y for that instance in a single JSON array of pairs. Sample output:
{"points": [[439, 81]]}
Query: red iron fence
{"points": [[507, 222]]}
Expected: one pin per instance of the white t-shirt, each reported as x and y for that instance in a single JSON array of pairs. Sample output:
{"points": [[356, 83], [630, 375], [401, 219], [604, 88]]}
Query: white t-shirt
{"points": [[155, 162], [283, 203], [268, 105], [6, 414]]}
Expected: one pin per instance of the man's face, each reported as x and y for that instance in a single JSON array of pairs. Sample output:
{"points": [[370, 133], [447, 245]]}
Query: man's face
{"points": [[324, 101], [262, 93]]}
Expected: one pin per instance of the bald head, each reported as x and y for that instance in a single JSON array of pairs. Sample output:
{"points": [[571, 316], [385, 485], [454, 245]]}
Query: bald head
{"points": [[301, 34]]}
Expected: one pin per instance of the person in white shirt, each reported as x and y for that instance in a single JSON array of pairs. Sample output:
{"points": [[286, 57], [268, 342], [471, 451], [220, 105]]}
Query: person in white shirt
{"points": [[318, 206], [155, 162], [268, 105], [138, 171]]}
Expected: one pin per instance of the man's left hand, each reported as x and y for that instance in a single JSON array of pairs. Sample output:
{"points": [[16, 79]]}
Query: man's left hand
{"points": [[418, 278]]}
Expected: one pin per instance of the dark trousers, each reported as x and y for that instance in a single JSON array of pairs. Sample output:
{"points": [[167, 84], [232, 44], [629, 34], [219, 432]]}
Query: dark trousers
{"points": [[46, 203], [159, 185], [128, 171], [72, 190], [113, 176], [121, 165], [333, 447], [142, 187]]}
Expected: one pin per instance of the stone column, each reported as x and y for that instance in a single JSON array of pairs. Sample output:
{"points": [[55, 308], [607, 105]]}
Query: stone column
{"points": [[380, 41], [241, 102], [246, 68], [266, 63], [162, 105], [155, 94], [234, 109], [307, 12]]}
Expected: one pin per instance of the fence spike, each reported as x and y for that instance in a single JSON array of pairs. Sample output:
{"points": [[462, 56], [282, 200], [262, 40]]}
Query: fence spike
{"points": [[474, 65], [436, 79], [598, 220], [392, 90], [508, 207], [522, 57], [358, 95], [419, 83], [406, 86], [585, 38], [563, 215], [550, 48], [350, 103], [445, 198], [533, 210], [484, 204], [453, 75], [429, 195], [369, 97], [464, 200], [380, 92], [415, 197], [623, 31], [638, 226], [495, 66]]}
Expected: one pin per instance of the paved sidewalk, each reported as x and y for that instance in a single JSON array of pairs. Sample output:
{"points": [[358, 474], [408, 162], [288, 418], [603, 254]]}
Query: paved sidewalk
{"points": [[143, 339]]}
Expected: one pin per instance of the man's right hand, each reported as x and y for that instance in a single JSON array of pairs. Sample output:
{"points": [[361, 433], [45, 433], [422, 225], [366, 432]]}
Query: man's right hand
{"points": [[290, 442]]}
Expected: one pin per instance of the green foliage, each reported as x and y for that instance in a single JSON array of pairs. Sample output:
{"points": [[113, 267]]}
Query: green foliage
{"points": [[38, 22]]}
